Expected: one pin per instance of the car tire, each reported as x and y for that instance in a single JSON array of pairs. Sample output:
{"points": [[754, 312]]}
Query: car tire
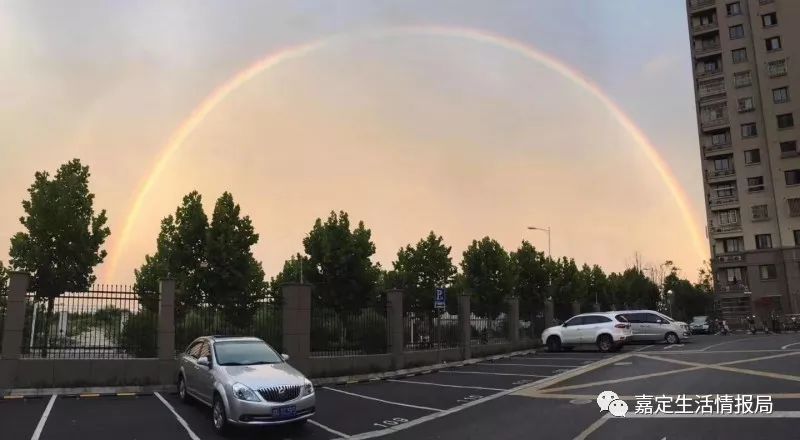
{"points": [[672, 338], [553, 344], [183, 394], [605, 343], [219, 417]]}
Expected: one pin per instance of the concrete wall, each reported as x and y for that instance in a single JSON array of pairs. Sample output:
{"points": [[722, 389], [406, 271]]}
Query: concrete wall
{"points": [[348, 365], [68, 373]]}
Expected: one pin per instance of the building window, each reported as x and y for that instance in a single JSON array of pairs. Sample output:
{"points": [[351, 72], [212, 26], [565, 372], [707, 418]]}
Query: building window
{"points": [[788, 148], [770, 19], [733, 245], [764, 241], [713, 113], [739, 55], [755, 184], [760, 212], [794, 207], [709, 67], [723, 164], [777, 68], [780, 95], [734, 8], [773, 44], [752, 156], [785, 120], [749, 130], [742, 79], [767, 271], [796, 237], [792, 177], [728, 217], [746, 104], [734, 275], [736, 32], [725, 190], [723, 138]]}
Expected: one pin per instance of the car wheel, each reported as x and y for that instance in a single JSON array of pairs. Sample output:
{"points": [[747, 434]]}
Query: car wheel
{"points": [[672, 338], [605, 343], [182, 393], [218, 415], [553, 344]]}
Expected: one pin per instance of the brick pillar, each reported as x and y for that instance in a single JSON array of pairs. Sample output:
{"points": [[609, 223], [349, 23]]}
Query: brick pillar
{"points": [[548, 313], [576, 308], [394, 316], [466, 325], [297, 325], [14, 321], [513, 320], [166, 331]]}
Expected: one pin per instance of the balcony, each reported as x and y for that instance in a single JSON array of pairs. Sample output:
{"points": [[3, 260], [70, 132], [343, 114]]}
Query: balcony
{"points": [[705, 90], [697, 5], [706, 27], [726, 229], [712, 150], [707, 48], [776, 68], [733, 257], [737, 288], [718, 202], [709, 73], [719, 175], [714, 123], [765, 2]]}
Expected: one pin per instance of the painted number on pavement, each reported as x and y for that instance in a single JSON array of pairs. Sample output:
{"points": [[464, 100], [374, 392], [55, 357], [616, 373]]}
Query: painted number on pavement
{"points": [[393, 422], [470, 398]]}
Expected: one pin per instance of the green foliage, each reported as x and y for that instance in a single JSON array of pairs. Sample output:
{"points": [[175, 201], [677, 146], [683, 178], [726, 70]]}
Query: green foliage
{"points": [[687, 300], [327, 329], [267, 325], [420, 270], [531, 274], [63, 241], [290, 274], [3, 283], [344, 277], [235, 279], [632, 289], [139, 335], [180, 254], [488, 272], [367, 331]]}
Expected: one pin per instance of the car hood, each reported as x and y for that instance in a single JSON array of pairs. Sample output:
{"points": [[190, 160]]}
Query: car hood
{"points": [[257, 376]]}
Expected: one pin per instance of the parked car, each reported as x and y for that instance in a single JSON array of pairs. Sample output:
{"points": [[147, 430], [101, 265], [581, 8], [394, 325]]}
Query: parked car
{"points": [[652, 326], [245, 382], [608, 331], [701, 324]]}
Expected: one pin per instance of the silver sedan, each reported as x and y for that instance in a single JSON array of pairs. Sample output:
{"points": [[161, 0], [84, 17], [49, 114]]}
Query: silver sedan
{"points": [[245, 382]]}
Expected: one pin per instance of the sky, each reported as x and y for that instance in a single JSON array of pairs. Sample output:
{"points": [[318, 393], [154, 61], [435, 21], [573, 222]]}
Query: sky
{"points": [[407, 131]]}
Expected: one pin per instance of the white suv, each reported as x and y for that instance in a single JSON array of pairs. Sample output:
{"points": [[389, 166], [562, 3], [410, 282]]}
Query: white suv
{"points": [[608, 330]]}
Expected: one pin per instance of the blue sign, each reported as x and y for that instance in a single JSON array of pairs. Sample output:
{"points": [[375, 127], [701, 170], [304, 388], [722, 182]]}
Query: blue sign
{"points": [[439, 299]]}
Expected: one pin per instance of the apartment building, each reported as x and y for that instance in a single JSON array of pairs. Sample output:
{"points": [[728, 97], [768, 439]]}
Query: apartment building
{"points": [[747, 90]]}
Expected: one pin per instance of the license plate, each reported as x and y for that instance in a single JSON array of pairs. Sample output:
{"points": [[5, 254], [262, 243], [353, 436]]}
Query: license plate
{"points": [[284, 412]]}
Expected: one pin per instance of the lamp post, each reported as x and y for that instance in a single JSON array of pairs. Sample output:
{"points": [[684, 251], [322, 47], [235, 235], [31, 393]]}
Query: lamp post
{"points": [[671, 301], [533, 228]]}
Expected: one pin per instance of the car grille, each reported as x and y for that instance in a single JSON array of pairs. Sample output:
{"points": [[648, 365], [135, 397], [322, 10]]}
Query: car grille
{"points": [[282, 393]]}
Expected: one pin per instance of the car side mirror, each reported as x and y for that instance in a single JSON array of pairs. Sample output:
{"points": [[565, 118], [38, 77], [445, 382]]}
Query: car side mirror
{"points": [[204, 361], [564, 325], [285, 357]]}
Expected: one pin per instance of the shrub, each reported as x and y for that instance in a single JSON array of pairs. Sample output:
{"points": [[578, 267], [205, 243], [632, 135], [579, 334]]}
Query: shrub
{"points": [[140, 334], [367, 330]]}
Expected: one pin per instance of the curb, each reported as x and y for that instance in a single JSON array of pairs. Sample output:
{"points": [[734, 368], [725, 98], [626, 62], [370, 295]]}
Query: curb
{"points": [[86, 392], [411, 372]]}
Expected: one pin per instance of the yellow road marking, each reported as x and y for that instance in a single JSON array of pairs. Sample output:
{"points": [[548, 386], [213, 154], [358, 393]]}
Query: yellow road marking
{"points": [[126, 394], [723, 367], [89, 395], [13, 397]]}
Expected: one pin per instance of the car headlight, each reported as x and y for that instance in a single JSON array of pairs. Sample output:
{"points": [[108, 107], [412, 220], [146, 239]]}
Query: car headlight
{"points": [[308, 388], [242, 392]]}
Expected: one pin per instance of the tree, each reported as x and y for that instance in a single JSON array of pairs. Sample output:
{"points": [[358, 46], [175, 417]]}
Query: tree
{"points": [[705, 278], [420, 270], [234, 279], [290, 274], [531, 275], [341, 271], [63, 241], [688, 300], [632, 289], [180, 254], [3, 279], [488, 272]]}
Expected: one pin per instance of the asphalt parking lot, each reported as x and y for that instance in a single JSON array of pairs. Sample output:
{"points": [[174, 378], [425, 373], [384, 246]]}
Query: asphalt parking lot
{"points": [[551, 395]]}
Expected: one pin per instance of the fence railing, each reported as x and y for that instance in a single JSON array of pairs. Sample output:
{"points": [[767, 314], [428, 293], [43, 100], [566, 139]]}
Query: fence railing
{"points": [[428, 331], [104, 322], [352, 333], [486, 330], [265, 323]]}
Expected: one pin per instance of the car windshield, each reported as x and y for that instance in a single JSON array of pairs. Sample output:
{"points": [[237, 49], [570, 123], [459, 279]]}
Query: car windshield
{"points": [[699, 319], [245, 353]]}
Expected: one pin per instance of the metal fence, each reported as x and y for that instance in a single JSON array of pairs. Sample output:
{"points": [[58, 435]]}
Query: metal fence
{"points": [[485, 330], [104, 322], [348, 333], [429, 331], [266, 323]]}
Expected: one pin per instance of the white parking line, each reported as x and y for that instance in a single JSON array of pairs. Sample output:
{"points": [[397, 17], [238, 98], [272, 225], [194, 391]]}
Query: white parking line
{"points": [[445, 385], [774, 414], [426, 408], [332, 431], [43, 420], [528, 365], [593, 427], [183, 423], [493, 374], [789, 345], [558, 358]]}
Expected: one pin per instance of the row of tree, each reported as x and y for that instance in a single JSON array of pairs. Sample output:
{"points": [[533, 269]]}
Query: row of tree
{"points": [[215, 268]]}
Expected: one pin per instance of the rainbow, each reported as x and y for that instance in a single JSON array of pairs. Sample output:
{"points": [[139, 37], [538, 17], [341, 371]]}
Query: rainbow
{"points": [[198, 115]]}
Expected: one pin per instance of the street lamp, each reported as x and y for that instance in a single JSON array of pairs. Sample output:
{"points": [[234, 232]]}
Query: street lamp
{"points": [[671, 301], [533, 228]]}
